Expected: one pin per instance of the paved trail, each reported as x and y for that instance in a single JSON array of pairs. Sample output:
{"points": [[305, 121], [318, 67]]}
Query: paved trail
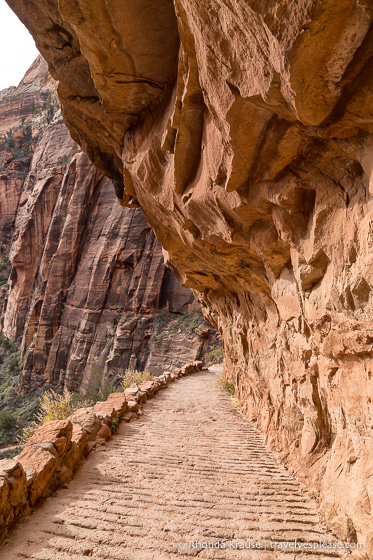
{"points": [[191, 469]]}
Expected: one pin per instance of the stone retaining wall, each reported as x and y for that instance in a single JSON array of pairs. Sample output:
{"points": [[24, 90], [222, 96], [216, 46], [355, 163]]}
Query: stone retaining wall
{"points": [[55, 451]]}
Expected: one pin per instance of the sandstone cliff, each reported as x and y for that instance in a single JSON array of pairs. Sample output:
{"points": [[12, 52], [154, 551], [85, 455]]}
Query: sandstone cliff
{"points": [[88, 291], [244, 131]]}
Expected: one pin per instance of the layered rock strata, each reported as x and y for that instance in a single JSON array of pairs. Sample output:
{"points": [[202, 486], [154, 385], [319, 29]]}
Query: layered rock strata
{"points": [[52, 455], [244, 131], [25, 111], [89, 293]]}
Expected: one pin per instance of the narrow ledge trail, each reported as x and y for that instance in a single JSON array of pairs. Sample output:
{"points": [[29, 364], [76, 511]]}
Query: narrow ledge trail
{"points": [[192, 469]]}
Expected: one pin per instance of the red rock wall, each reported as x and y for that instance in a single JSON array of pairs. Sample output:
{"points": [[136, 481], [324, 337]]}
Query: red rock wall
{"points": [[244, 132], [88, 276]]}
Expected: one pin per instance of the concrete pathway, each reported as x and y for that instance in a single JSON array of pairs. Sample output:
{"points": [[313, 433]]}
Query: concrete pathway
{"points": [[191, 478]]}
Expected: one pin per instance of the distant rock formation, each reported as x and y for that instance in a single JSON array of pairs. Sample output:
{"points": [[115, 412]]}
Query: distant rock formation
{"points": [[88, 286], [243, 130]]}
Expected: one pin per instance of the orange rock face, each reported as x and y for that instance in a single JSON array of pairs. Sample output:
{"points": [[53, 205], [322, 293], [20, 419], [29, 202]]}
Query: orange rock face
{"points": [[88, 276], [244, 132]]}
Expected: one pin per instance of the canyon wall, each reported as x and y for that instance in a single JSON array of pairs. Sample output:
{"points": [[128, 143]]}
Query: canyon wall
{"points": [[243, 130], [88, 292]]}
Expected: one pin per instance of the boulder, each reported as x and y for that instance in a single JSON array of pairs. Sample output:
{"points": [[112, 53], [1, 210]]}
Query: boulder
{"points": [[79, 436], [129, 416], [119, 402], [132, 392], [44, 464], [57, 432], [88, 420], [147, 387], [104, 432], [12, 471], [4, 492], [105, 411], [13, 491], [132, 406]]}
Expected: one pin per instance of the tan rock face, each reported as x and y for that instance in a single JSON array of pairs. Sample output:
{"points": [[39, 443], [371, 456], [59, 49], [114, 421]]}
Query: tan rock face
{"points": [[253, 164]]}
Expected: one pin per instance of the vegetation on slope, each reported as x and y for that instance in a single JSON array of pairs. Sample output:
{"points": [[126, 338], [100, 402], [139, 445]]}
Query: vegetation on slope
{"points": [[17, 407]]}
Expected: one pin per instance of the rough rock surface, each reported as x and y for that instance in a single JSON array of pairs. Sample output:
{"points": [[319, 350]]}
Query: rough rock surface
{"points": [[193, 470], [24, 112], [243, 129], [88, 277], [57, 448]]}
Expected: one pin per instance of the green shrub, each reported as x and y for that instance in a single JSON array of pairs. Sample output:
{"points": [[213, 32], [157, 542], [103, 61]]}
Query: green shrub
{"points": [[161, 321], [135, 376], [5, 342], [125, 318], [215, 356], [63, 160], [226, 386], [186, 322], [97, 385], [52, 406], [7, 419], [15, 363], [10, 453], [114, 425]]}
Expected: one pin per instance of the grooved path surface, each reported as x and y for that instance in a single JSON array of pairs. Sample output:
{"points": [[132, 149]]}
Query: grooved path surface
{"points": [[191, 469]]}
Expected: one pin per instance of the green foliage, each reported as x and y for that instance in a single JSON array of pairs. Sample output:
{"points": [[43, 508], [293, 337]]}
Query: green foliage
{"points": [[28, 132], [4, 265], [215, 356], [63, 160], [17, 407], [114, 425], [134, 376], [5, 343], [226, 386], [13, 410], [167, 323], [125, 318], [97, 385], [10, 453], [8, 141], [61, 380], [161, 320], [52, 406], [7, 419], [15, 363]]}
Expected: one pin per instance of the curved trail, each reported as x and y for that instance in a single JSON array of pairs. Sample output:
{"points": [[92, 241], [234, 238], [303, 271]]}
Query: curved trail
{"points": [[191, 469]]}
